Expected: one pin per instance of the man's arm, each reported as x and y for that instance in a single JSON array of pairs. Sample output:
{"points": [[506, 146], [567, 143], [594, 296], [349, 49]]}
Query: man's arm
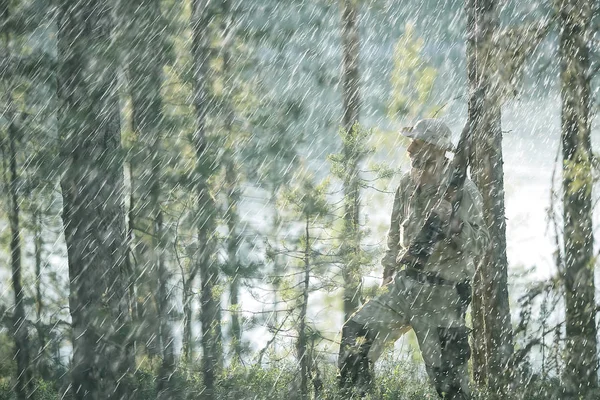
{"points": [[389, 259]]}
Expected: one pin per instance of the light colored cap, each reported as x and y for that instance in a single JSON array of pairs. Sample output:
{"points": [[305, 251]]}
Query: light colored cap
{"points": [[431, 130]]}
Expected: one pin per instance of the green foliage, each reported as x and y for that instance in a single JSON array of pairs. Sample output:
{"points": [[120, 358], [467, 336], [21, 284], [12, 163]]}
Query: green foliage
{"points": [[307, 198], [412, 79], [257, 383], [382, 171], [346, 166], [7, 363], [355, 149], [396, 379]]}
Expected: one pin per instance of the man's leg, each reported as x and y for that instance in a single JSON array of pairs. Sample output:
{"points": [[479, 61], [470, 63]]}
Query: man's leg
{"points": [[354, 365], [455, 356], [364, 335], [446, 353]]}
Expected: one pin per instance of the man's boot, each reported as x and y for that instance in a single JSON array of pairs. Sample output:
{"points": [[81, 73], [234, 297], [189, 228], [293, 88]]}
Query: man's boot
{"points": [[451, 379], [355, 370]]}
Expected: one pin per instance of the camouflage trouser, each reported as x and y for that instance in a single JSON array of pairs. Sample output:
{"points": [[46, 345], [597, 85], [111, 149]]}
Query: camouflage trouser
{"points": [[434, 312]]}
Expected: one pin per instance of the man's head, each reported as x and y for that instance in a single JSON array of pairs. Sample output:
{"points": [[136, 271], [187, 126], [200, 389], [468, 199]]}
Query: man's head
{"points": [[423, 154], [433, 131], [431, 139]]}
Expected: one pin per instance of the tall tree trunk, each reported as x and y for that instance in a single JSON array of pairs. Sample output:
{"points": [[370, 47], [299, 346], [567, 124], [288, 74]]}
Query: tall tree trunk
{"points": [[187, 344], [278, 267], [38, 242], [302, 345], [92, 190], [350, 76], [210, 305], [232, 180], [147, 48], [24, 387], [491, 281], [131, 263], [233, 244], [581, 359], [478, 345], [351, 108]]}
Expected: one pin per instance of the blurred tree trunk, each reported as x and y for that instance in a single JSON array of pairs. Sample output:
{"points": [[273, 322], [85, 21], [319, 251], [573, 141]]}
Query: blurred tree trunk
{"points": [[302, 344], [579, 261], [187, 343], [278, 265], [24, 379], [38, 244], [93, 210], [233, 244], [210, 305], [24, 386], [232, 180], [147, 57], [19, 329], [41, 362], [137, 310], [491, 306], [350, 77], [351, 109]]}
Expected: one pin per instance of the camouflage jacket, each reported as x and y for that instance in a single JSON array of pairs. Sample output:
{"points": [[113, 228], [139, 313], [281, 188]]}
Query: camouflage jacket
{"points": [[453, 258]]}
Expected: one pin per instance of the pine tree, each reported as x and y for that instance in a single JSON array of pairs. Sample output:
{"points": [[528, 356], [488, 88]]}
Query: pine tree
{"points": [[412, 79], [233, 179], [581, 370], [25, 68], [351, 112], [146, 32], [210, 306], [92, 190], [24, 386], [307, 201]]}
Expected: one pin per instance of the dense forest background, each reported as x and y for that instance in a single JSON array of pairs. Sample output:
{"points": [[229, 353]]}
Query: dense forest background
{"points": [[196, 194]]}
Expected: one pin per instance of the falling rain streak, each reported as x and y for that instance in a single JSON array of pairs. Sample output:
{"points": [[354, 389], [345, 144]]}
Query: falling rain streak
{"points": [[202, 199]]}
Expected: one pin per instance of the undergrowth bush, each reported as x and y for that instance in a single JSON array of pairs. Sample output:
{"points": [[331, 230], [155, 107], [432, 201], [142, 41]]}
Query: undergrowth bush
{"points": [[394, 381]]}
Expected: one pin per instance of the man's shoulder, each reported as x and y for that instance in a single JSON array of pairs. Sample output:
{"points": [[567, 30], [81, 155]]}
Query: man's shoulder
{"points": [[405, 179], [405, 183]]}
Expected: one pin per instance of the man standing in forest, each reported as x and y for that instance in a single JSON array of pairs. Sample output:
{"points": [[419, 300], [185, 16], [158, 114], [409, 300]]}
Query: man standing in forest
{"points": [[431, 300]]}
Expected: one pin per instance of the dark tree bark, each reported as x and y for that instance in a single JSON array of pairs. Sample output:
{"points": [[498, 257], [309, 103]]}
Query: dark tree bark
{"points": [[24, 386], [302, 343], [210, 304], [351, 110], [38, 242], [19, 329], [137, 311], [490, 282], [478, 344], [233, 244], [350, 76], [147, 57], [41, 363], [187, 342], [574, 52], [232, 181], [93, 210]]}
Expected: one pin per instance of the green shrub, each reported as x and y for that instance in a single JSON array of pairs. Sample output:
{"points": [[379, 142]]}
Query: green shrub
{"points": [[399, 379]]}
